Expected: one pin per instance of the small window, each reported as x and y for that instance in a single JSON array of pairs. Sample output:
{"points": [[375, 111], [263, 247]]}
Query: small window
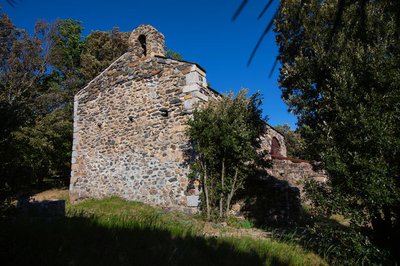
{"points": [[142, 40]]}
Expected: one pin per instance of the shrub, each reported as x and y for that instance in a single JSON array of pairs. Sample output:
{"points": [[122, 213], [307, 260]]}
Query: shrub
{"points": [[225, 136]]}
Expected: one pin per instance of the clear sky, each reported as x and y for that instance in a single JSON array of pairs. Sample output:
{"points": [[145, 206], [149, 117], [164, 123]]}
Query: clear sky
{"points": [[202, 31]]}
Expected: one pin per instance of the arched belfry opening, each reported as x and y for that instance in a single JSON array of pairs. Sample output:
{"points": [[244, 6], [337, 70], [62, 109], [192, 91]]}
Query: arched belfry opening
{"points": [[275, 147], [143, 44], [145, 41]]}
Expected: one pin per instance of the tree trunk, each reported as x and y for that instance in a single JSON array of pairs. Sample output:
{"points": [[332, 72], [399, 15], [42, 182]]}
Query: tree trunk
{"points": [[221, 197], [231, 193], [382, 225], [206, 192]]}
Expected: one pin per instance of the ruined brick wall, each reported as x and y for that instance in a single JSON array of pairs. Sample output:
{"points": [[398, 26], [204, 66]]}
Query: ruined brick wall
{"points": [[129, 126]]}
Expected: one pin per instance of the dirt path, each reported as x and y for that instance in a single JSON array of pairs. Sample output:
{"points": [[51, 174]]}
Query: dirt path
{"points": [[210, 230], [51, 194]]}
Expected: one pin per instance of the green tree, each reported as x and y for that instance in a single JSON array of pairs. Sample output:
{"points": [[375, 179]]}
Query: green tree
{"points": [[225, 137], [173, 55], [44, 144], [101, 49], [66, 45], [341, 76], [21, 74], [39, 75]]}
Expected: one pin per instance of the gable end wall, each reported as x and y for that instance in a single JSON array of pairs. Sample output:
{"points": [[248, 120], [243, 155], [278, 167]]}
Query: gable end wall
{"points": [[124, 144]]}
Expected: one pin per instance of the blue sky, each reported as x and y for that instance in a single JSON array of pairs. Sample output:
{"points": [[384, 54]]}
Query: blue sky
{"points": [[202, 31]]}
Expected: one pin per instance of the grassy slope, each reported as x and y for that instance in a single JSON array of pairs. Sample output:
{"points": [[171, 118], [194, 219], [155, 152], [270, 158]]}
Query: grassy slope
{"points": [[115, 232]]}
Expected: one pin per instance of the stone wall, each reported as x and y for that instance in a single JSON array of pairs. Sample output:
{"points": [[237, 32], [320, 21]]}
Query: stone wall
{"points": [[275, 195], [295, 172], [268, 200], [266, 141]]}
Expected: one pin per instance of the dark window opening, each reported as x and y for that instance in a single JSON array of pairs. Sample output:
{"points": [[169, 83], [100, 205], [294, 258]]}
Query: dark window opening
{"points": [[275, 147], [142, 40]]}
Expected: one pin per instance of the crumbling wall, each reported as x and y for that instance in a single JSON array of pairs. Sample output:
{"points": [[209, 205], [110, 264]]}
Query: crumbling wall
{"points": [[266, 141], [295, 172]]}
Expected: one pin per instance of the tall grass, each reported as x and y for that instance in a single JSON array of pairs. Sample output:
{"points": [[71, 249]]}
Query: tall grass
{"points": [[337, 244], [116, 232]]}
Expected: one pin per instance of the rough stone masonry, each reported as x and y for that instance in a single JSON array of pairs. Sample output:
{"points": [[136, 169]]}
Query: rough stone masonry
{"points": [[129, 127]]}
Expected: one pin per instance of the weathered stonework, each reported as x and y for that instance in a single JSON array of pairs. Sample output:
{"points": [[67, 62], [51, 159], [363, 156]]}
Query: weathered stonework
{"points": [[295, 172], [129, 127]]}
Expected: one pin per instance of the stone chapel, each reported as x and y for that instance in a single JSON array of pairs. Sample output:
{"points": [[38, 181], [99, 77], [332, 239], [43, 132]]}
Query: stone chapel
{"points": [[129, 127]]}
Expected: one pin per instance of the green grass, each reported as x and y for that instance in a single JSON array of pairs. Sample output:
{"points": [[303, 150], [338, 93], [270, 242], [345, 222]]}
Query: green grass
{"points": [[240, 223], [116, 232]]}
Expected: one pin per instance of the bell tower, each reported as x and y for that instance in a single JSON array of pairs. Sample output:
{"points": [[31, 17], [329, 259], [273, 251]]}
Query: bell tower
{"points": [[145, 41]]}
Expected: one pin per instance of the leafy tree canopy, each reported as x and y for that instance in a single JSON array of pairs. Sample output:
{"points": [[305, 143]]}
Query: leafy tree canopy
{"points": [[225, 137], [101, 49], [173, 55], [39, 75], [341, 76]]}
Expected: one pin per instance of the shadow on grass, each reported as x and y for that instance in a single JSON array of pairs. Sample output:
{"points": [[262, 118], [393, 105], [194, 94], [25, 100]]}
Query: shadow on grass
{"points": [[275, 206], [83, 241], [270, 201], [336, 242], [26, 191]]}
